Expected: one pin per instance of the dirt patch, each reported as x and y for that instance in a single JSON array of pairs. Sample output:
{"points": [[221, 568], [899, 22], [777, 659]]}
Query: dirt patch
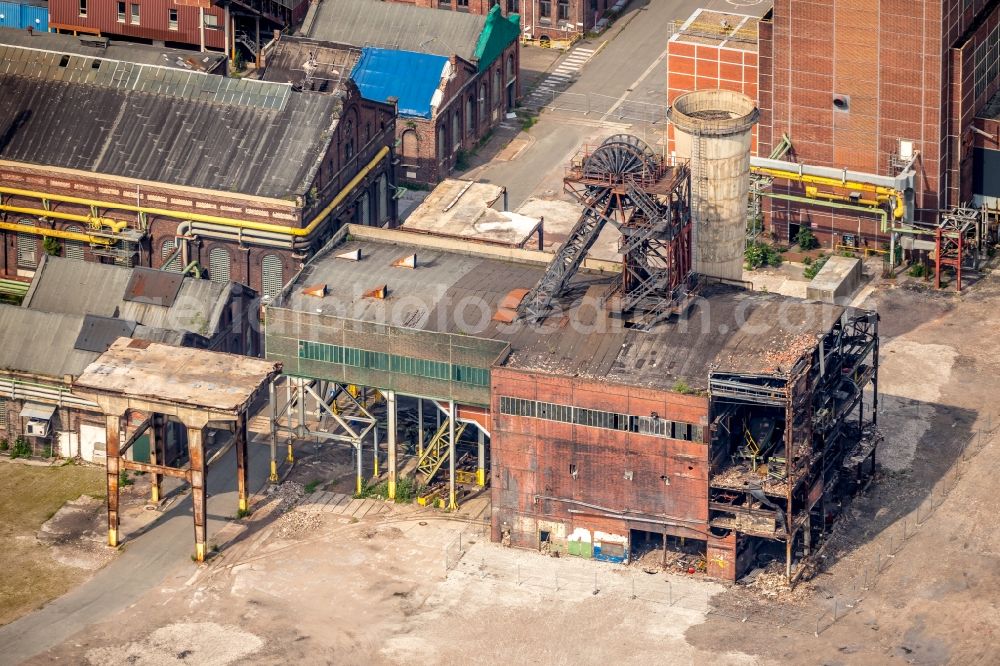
{"points": [[204, 643], [29, 496]]}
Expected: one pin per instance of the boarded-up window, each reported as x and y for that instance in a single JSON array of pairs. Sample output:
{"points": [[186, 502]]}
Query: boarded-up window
{"points": [[3, 414], [272, 275], [169, 246], [218, 265], [409, 146], [74, 249], [27, 247]]}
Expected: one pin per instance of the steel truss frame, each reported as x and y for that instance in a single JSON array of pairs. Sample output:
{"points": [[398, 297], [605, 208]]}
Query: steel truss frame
{"points": [[615, 183]]}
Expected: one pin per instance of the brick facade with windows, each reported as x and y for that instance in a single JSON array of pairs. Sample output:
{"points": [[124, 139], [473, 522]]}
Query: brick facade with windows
{"points": [[857, 85], [554, 19], [578, 463]]}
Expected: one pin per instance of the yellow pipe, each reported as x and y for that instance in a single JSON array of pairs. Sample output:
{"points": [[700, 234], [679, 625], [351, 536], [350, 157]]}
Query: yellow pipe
{"points": [[116, 225], [898, 212], [214, 219], [55, 233]]}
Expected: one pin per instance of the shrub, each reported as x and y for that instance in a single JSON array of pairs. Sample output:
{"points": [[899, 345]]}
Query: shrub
{"points": [[806, 239], [4, 444], [21, 448], [758, 254], [918, 271], [812, 269], [123, 479]]}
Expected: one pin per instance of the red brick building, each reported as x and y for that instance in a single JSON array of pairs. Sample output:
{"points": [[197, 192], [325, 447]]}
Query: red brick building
{"points": [[236, 179], [188, 23], [554, 19], [454, 75], [875, 87]]}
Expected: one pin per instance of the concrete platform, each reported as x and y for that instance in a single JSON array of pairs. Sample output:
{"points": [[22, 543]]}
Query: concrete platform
{"points": [[837, 280]]}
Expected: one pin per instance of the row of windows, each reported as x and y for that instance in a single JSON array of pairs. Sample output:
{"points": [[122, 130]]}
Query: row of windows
{"points": [[595, 418], [987, 61], [133, 13], [417, 367]]}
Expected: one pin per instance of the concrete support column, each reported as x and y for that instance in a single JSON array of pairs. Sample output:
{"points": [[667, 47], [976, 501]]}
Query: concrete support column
{"points": [[452, 504], [112, 461], [242, 461], [481, 466], [196, 451], [390, 409], [375, 452], [273, 478], [157, 454]]}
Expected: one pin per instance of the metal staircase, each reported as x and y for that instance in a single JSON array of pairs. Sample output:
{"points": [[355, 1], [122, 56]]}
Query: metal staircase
{"points": [[438, 449]]}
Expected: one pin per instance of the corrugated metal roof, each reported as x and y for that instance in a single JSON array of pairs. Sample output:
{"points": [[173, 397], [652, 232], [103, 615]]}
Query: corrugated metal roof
{"points": [[41, 343], [79, 287], [148, 285], [126, 51], [411, 77], [97, 333], [398, 26], [160, 124]]}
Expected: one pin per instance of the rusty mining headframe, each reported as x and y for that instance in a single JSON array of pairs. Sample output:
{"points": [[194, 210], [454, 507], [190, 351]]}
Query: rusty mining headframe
{"points": [[624, 182]]}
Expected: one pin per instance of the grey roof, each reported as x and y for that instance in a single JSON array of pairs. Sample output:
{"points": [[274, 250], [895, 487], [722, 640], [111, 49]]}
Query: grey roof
{"points": [[334, 63], [71, 286], [398, 26], [124, 51], [41, 343], [160, 124], [728, 329], [97, 333]]}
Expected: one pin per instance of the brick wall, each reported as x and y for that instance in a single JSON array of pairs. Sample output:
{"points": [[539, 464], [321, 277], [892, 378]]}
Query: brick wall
{"points": [[693, 67], [586, 12], [905, 71], [531, 461]]}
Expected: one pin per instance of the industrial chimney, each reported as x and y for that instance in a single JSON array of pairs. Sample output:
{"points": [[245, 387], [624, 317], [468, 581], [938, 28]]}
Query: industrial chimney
{"points": [[717, 124]]}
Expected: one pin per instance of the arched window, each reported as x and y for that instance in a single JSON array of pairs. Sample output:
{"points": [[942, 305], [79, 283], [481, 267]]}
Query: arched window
{"points": [[168, 247], [218, 265], [382, 200], [483, 104], [511, 80], [496, 86], [27, 247], [442, 141], [470, 116], [74, 249], [456, 130], [272, 275], [409, 147]]}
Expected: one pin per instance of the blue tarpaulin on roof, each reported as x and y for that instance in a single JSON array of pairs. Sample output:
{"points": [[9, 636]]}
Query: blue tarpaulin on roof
{"points": [[410, 77]]}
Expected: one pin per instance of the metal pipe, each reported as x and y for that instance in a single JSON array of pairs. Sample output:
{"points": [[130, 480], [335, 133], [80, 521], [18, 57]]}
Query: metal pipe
{"points": [[215, 219], [54, 233]]}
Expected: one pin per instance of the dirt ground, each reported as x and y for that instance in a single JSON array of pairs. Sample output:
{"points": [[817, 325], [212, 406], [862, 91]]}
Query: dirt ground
{"points": [[911, 573], [34, 570]]}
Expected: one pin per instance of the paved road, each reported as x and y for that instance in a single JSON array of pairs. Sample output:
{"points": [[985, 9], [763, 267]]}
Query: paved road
{"points": [[630, 66], [162, 551]]}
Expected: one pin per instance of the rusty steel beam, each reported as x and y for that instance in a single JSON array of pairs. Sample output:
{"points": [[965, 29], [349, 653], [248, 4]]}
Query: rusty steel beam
{"points": [[176, 472], [196, 452], [134, 437], [157, 453], [113, 438], [242, 470]]}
